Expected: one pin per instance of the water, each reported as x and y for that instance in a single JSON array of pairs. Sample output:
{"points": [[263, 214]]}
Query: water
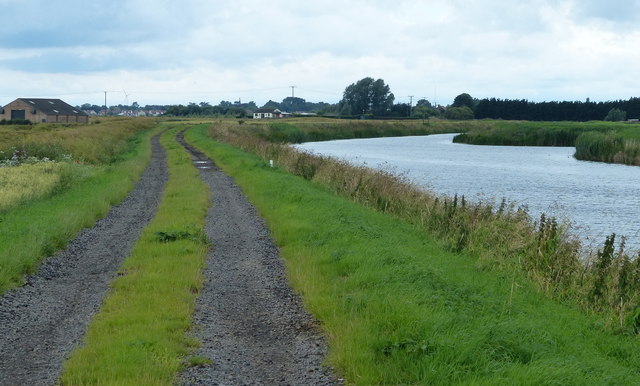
{"points": [[598, 199]]}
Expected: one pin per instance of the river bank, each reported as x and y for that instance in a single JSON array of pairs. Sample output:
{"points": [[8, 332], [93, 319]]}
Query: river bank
{"points": [[610, 142], [399, 308]]}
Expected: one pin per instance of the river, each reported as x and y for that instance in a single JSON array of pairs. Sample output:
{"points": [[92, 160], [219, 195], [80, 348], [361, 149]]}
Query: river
{"points": [[596, 198]]}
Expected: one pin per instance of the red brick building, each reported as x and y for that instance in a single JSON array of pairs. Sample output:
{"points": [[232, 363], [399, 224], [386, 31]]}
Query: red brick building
{"points": [[38, 110]]}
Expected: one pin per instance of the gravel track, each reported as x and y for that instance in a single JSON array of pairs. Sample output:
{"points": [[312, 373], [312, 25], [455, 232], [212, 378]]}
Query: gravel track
{"points": [[252, 325], [42, 321]]}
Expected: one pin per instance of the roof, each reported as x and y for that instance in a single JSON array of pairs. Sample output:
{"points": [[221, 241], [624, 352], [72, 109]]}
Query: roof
{"points": [[52, 106], [267, 110]]}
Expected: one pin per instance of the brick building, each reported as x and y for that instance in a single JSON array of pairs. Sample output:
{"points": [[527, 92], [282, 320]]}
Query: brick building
{"points": [[38, 110]]}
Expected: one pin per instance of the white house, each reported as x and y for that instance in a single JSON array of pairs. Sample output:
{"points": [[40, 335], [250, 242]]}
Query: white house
{"points": [[268, 113]]}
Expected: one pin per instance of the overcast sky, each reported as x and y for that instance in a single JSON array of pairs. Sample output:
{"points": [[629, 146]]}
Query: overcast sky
{"points": [[181, 51]]}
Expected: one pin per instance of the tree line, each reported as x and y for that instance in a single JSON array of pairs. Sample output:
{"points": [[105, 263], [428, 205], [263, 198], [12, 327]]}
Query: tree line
{"points": [[511, 109], [372, 98]]}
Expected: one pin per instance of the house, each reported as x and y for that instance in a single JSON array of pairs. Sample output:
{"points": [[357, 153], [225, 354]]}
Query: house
{"points": [[270, 113], [267, 113], [39, 110]]}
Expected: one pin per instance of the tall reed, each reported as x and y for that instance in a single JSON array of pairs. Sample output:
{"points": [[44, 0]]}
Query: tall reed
{"points": [[502, 237]]}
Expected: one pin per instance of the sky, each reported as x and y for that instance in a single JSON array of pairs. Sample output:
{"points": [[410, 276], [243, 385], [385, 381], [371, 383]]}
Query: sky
{"points": [[177, 52]]}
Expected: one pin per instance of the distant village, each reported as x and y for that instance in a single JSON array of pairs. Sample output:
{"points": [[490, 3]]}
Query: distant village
{"points": [[464, 106]]}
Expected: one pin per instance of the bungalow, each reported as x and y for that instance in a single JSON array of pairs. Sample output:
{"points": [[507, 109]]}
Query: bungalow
{"points": [[267, 113], [39, 110]]}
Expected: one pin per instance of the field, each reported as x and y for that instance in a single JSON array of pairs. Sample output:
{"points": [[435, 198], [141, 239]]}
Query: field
{"points": [[407, 286]]}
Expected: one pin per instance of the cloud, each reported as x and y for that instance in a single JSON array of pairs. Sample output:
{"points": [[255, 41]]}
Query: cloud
{"points": [[198, 50]]}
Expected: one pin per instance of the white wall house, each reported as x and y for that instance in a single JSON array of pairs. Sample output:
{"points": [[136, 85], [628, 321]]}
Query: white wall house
{"points": [[267, 113]]}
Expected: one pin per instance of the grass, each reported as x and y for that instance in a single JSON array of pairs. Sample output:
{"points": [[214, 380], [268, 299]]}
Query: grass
{"points": [[613, 142], [41, 226], [399, 309], [297, 130], [100, 142], [503, 238], [25, 183], [138, 337]]}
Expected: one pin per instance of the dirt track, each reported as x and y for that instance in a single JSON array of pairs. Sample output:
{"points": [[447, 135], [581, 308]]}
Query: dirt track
{"points": [[42, 321], [253, 327]]}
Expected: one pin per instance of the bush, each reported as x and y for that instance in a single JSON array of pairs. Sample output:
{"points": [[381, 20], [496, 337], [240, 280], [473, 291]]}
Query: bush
{"points": [[616, 115], [459, 113]]}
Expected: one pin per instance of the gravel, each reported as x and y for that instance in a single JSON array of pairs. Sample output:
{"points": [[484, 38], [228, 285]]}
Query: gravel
{"points": [[42, 321], [253, 327]]}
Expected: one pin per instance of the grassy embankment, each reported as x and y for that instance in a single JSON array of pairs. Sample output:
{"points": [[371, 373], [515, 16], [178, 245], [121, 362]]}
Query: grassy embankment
{"points": [[138, 337], [615, 142], [297, 130], [44, 204], [398, 308], [502, 238]]}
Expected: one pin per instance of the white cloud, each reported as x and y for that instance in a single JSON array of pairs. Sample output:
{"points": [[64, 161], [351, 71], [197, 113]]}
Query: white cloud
{"points": [[198, 50]]}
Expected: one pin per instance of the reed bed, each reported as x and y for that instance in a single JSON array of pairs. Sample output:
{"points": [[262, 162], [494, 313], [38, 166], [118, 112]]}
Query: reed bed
{"points": [[501, 237]]}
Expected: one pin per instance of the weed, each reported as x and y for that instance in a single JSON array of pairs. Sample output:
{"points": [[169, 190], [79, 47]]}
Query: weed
{"points": [[198, 361]]}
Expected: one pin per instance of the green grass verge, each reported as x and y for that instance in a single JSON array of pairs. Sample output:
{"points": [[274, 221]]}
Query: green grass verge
{"points": [[398, 309], [138, 337], [31, 232]]}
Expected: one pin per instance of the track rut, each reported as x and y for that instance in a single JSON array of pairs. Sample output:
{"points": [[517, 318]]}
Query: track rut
{"points": [[42, 321]]}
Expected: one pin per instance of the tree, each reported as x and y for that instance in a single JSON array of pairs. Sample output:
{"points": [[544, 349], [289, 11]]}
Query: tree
{"points": [[423, 102], [368, 96], [616, 115], [400, 110], [462, 100], [294, 104], [423, 112], [272, 105], [459, 113]]}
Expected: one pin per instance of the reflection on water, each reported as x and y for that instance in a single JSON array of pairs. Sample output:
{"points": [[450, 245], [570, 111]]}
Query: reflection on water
{"points": [[597, 198]]}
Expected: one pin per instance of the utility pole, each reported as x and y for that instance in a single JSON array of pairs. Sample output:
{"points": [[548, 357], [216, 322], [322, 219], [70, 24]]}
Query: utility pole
{"points": [[105, 104], [410, 103], [292, 87]]}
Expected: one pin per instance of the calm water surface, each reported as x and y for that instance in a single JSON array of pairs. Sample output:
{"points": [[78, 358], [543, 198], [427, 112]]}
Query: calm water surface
{"points": [[597, 198]]}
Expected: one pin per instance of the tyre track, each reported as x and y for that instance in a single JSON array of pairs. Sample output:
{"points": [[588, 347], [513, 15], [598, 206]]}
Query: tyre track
{"points": [[252, 325], [43, 320]]}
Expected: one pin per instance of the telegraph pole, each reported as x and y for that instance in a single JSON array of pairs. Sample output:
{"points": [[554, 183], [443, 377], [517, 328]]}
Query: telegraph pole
{"points": [[105, 104], [410, 103]]}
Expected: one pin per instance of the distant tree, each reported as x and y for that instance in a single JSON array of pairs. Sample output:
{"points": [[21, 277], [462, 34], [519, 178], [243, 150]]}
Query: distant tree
{"points": [[459, 113], [367, 96], [616, 115], [294, 104], [462, 100], [400, 110], [423, 102], [424, 112], [272, 105]]}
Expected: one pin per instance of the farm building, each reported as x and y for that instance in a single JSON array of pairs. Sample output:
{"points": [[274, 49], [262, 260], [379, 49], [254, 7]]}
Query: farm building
{"points": [[38, 110]]}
